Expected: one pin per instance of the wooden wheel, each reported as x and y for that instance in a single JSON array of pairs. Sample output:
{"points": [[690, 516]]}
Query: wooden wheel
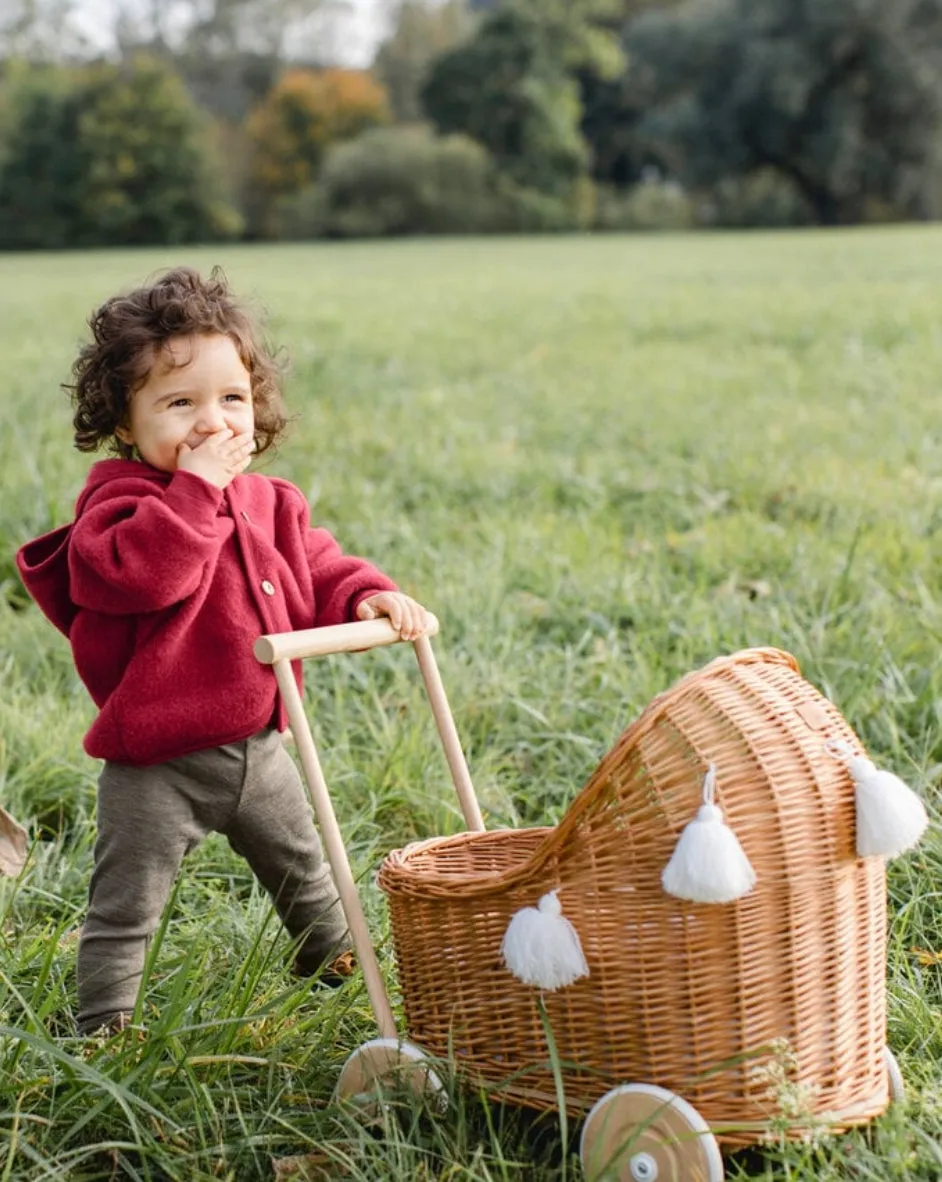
{"points": [[895, 1076], [384, 1065], [642, 1133]]}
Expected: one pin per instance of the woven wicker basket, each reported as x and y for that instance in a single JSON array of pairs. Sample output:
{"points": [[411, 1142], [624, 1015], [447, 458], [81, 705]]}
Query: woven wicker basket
{"points": [[691, 997]]}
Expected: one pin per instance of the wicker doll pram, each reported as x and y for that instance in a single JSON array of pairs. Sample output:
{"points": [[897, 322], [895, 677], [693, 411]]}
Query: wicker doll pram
{"points": [[695, 1007]]}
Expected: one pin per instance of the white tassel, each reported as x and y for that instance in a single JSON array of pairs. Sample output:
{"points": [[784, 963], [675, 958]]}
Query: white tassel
{"points": [[542, 948], [708, 864], [890, 816]]}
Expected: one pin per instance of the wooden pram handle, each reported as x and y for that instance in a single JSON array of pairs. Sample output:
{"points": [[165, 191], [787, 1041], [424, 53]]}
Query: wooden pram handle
{"points": [[321, 642], [279, 650], [367, 634]]}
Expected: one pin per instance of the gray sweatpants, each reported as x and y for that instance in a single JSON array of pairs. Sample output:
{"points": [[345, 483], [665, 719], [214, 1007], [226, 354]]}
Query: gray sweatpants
{"points": [[150, 817]]}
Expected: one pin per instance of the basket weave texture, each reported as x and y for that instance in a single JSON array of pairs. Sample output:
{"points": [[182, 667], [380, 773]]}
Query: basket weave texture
{"points": [[693, 997]]}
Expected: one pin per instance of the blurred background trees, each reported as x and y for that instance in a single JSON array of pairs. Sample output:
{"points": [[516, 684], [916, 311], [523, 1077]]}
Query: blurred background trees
{"points": [[292, 127], [507, 87], [421, 32], [227, 118], [107, 154], [841, 98]]}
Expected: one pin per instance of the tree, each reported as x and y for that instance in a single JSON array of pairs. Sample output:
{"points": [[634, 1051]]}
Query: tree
{"points": [[611, 111], [108, 155], [304, 113], [508, 88], [842, 97], [513, 86], [40, 164], [149, 171], [401, 180], [422, 32], [611, 116], [229, 52], [584, 34]]}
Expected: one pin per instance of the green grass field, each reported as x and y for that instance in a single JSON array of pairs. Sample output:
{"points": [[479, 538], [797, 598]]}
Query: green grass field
{"points": [[601, 461]]}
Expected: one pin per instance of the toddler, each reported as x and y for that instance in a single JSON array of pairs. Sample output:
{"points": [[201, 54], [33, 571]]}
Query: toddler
{"points": [[175, 562]]}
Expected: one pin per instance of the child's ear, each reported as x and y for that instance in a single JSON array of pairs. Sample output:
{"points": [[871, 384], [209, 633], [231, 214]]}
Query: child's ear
{"points": [[124, 434]]}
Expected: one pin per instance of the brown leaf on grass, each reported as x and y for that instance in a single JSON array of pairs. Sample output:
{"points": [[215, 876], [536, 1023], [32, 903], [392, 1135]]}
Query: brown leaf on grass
{"points": [[926, 956], [13, 845], [308, 1167], [72, 936]]}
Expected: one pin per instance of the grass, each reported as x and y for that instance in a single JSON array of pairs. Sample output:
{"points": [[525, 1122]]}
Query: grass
{"points": [[601, 461]]}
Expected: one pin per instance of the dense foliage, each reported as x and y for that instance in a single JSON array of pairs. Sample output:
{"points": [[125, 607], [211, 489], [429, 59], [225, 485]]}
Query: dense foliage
{"points": [[509, 91], [743, 112], [107, 155], [842, 98], [304, 113]]}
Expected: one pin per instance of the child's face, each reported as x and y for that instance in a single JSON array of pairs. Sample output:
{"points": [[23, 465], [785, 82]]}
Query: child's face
{"points": [[197, 386]]}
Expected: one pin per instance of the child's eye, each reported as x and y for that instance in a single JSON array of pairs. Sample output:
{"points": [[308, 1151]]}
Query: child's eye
{"points": [[180, 402], [235, 398]]}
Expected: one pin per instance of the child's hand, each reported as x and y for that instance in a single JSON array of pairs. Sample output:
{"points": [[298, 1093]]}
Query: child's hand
{"points": [[410, 619], [219, 458]]}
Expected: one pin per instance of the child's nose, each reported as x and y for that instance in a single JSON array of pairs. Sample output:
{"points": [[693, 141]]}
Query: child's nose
{"points": [[211, 419]]}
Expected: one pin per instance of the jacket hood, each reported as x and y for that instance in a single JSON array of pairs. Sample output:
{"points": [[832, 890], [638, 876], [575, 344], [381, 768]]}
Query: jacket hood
{"points": [[105, 471], [43, 563], [44, 568]]}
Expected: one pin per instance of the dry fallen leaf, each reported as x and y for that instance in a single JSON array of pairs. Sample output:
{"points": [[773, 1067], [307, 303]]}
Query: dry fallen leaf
{"points": [[926, 956], [13, 845], [308, 1167], [71, 937]]}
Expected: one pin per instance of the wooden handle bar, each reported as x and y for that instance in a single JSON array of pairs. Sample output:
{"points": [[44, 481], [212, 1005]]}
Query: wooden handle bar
{"points": [[336, 852], [278, 650], [279, 647], [321, 642]]}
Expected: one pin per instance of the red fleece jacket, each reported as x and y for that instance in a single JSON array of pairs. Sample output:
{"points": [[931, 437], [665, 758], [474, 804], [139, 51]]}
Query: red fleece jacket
{"points": [[163, 583]]}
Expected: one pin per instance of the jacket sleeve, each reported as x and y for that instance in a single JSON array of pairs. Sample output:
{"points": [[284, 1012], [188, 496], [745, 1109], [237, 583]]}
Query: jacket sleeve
{"points": [[339, 581], [132, 552]]}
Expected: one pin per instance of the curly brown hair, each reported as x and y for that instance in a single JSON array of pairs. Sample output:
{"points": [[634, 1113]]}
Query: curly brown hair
{"points": [[130, 330]]}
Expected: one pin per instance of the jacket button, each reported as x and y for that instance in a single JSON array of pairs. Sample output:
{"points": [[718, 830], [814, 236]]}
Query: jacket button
{"points": [[268, 588]]}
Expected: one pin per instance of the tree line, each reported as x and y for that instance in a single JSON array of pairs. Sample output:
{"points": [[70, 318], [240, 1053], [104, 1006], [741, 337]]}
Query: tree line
{"points": [[476, 116]]}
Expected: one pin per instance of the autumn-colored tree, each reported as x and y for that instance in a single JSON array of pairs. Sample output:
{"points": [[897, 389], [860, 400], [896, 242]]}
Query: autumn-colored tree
{"points": [[290, 130]]}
